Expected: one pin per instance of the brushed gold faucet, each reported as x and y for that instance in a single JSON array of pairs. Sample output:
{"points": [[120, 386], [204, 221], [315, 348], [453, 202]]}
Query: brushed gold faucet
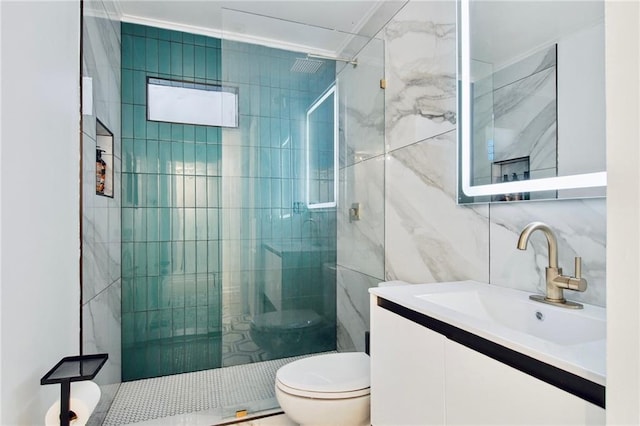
{"points": [[556, 282]]}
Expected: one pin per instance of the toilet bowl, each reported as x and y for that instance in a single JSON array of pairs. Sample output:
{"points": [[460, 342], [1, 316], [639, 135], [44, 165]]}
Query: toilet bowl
{"points": [[328, 389], [291, 332]]}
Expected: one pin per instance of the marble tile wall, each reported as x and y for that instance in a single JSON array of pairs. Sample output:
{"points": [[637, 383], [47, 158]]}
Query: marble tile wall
{"points": [[420, 49], [428, 237], [101, 221]]}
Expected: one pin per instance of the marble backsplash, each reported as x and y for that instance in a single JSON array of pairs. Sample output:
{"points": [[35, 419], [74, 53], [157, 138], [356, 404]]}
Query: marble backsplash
{"points": [[428, 237]]}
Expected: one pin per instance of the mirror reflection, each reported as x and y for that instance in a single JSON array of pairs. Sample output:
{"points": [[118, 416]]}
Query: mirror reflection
{"points": [[534, 112], [322, 151]]}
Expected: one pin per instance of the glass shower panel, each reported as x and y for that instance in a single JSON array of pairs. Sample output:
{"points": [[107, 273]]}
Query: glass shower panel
{"points": [[278, 256], [360, 246]]}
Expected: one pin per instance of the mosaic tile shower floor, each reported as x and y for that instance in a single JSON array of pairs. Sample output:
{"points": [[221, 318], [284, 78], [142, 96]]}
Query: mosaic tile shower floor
{"points": [[206, 397], [203, 397]]}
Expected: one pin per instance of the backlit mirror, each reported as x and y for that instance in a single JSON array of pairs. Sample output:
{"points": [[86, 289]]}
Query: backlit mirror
{"points": [[531, 100], [322, 151]]}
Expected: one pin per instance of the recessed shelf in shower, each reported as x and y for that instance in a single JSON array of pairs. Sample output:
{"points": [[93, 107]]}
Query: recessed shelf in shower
{"points": [[104, 160]]}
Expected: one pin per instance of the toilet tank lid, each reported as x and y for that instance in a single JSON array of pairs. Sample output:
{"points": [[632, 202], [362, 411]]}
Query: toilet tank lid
{"points": [[334, 372]]}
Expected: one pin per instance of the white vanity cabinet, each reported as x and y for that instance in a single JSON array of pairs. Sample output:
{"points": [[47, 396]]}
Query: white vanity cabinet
{"points": [[419, 376], [481, 390], [407, 371]]}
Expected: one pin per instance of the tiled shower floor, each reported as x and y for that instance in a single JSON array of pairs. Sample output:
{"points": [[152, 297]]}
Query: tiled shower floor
{"points": [[200, 398]]}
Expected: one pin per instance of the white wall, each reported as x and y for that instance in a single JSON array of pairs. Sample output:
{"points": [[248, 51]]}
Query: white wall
{"points": [[622, 23], [39, 195]]}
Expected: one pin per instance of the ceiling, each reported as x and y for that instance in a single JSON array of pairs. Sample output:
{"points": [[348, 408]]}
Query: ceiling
{"points": [[323, 27]]}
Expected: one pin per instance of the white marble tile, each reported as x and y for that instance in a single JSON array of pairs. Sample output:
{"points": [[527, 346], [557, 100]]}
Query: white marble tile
{"points": [[100, 259], [101, 331], [517, 118], [525, 118], [114, 220], [361, 242], [543, 59], [89, 166], [428, 237], [353, 308], [580, 227], [114, 250], [106, 9], [101, 223], [420, 72], [101, 62], [362, 106]]}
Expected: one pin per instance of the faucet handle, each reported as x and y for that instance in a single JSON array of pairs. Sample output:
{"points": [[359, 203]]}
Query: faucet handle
{"points": [[576, 282], [578, 267]]}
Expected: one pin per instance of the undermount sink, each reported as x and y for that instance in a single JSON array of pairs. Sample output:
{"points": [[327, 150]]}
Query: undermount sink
{"points": [[517, 312]]}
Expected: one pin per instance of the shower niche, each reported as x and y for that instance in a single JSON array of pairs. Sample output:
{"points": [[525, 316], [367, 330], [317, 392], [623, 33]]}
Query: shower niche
{"points": [[104, 160]]}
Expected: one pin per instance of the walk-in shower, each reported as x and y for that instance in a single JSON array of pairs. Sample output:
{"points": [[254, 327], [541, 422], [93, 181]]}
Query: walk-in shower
{"points": [[218, 268], [229, 229]]}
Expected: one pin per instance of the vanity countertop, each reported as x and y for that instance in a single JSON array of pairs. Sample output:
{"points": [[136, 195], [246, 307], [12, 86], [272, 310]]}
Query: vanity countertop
{"points": [[573, 340]]}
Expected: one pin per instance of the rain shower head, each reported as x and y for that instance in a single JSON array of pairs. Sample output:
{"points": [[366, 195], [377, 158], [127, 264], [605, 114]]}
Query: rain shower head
{"points": [[306, 65], [312, 63]]}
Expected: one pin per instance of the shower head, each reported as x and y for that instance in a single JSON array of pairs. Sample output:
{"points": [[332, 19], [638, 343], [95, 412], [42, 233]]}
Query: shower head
{"points": [[312, 63], [306, 65]]}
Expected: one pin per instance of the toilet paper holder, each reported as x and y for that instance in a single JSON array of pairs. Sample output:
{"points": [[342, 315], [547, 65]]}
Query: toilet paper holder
{"points": [[72, 369]]}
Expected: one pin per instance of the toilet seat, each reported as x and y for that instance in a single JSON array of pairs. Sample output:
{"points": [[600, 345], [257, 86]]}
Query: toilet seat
{"points": [[328, 376], [321, 395]]}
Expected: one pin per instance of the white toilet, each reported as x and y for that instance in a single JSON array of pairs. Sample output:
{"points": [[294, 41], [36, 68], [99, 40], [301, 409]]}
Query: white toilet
{"points": [[328, 389]]}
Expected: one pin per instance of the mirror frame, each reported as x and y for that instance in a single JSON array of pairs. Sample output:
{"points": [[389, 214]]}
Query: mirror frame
{"points": [[333, 90], [586, 180]]}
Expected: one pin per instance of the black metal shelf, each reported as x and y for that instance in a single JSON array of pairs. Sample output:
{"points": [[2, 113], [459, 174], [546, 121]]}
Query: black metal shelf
{"points": [[72, 369]]}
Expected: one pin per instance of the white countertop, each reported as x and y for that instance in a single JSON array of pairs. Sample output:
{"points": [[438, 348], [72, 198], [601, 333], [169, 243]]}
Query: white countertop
{"points": [[585, 359]]}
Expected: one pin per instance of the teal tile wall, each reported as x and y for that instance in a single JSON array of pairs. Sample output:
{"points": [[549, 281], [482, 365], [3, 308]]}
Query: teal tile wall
{"points": [[172, 201]]}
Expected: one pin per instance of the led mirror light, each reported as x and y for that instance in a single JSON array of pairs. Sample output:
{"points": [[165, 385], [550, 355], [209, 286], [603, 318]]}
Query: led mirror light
{"points": [[314, 199], [586, 180]]}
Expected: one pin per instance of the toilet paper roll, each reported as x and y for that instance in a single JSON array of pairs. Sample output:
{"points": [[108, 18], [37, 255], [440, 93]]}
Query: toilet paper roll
{"points": [[84, 399]]}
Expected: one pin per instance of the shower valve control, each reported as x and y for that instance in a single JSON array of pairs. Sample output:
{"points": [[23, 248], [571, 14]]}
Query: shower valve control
{"points": [[354, 212]]}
